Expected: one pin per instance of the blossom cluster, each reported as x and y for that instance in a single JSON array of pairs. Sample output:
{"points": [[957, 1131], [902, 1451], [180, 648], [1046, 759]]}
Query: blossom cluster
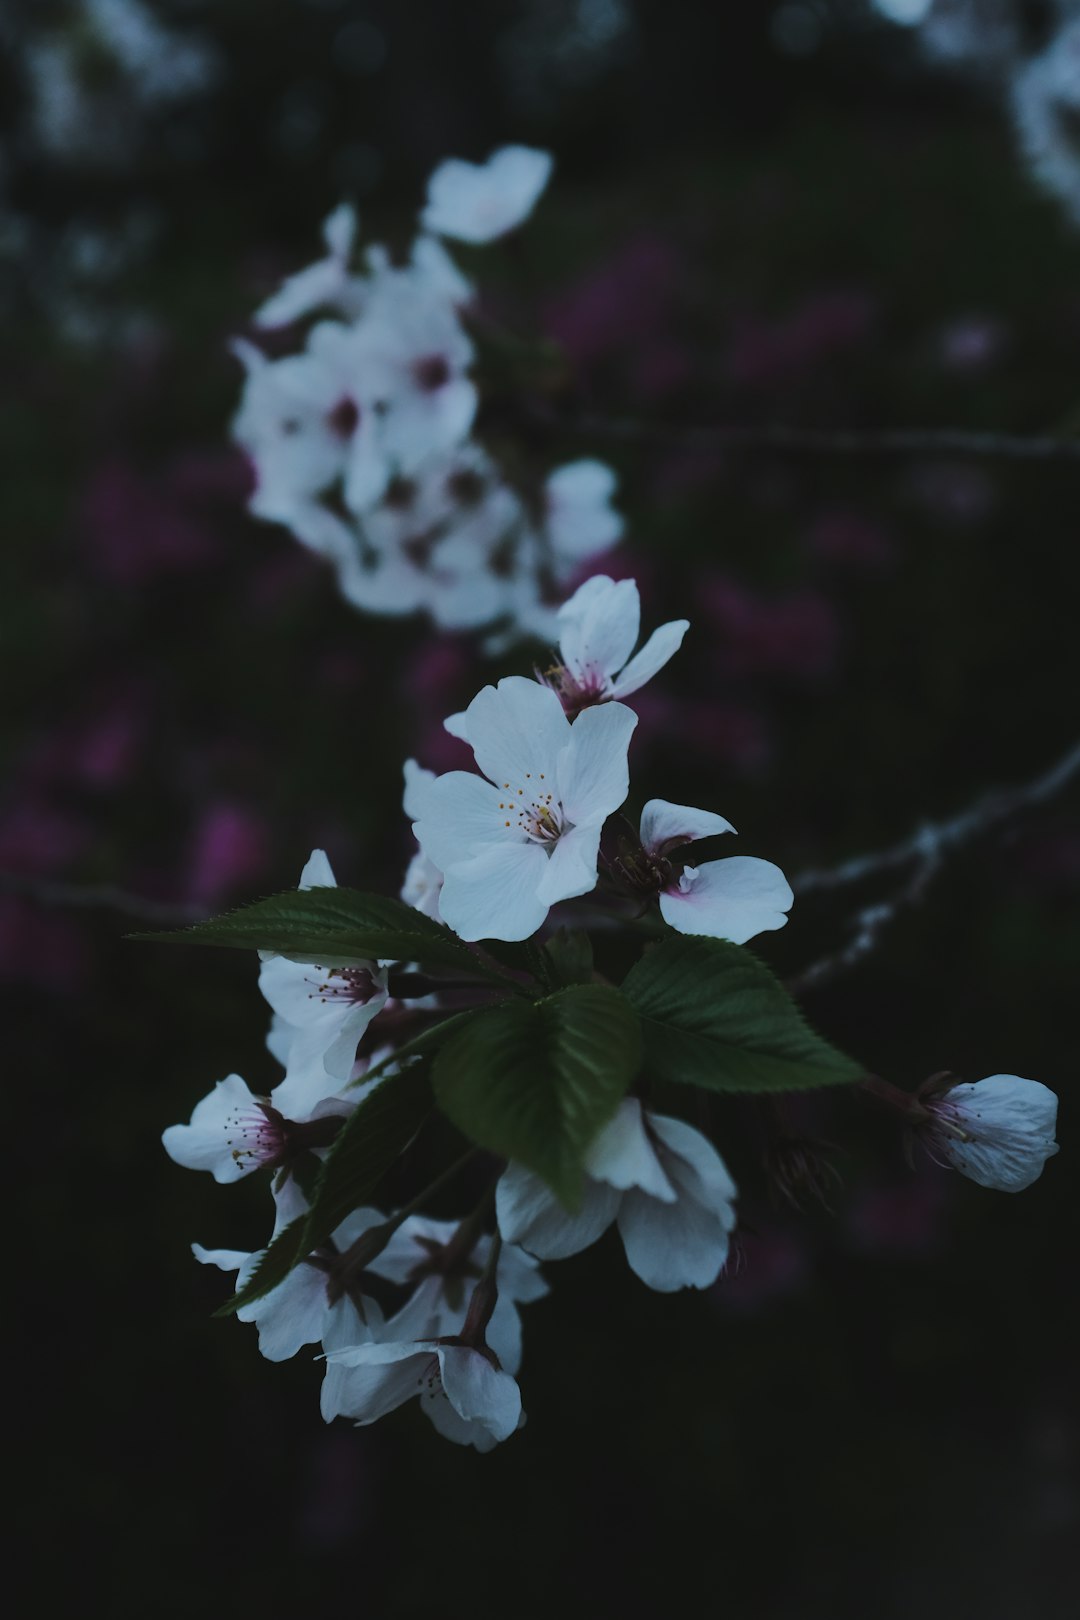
{"points": [[362, 440], [405, 1305]]}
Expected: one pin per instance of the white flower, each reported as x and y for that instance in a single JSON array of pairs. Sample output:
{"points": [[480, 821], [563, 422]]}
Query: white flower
{"points": [[410, 356], [435, 541], [306, 422], [514, 845], [327, 283], [462, 1388], [476, 202], [299, 1311], [1045, 104], [598, 631], [233, 1132], [998, 1132], [423, 1252], [734, 899], [580, 520], [658, 1178], [322, 1012]]}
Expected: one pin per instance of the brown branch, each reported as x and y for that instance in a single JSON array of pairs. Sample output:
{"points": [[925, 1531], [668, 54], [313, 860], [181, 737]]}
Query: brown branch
{"points": [[925, 851], [823, 441]]}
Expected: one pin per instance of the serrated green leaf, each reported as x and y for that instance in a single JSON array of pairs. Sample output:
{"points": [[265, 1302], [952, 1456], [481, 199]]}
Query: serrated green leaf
{"points": [[373, 1139], [333, 926], [536, 1081], [280, 1257], [712, 1015], [371, 1142]]}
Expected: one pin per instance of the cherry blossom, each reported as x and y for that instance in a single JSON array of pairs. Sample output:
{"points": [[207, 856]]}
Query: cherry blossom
{"points": [[598, 631], [515, 844], [321, 1012], [233, 1132], [477, 202], [735, 899], [660, 1180], [462, 1387], [300, 1310], [998, 1132]]}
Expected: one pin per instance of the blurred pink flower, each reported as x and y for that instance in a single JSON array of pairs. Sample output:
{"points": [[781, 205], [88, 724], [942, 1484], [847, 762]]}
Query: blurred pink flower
{"points": [[847, 538], [762, 352], [230, 852], [625, 300], [795, 635]]}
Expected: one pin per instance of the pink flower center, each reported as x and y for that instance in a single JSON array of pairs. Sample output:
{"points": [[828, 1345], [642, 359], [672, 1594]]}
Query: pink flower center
{"points": [[354, 985]]}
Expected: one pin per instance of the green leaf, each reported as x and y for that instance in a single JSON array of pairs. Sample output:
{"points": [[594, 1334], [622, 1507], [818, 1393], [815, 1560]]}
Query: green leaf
{"points": [[569, 955], [535, 1081], [333, 926], [712, 1015], [373, 1140], [283, 1253]]}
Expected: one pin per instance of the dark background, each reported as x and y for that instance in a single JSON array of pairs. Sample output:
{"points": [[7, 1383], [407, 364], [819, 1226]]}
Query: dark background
{"points": [[875, 1412]]}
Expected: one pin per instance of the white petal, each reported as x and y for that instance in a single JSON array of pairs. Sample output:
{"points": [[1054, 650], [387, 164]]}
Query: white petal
{"points": [[318, 873], [529, 1214], [462, 815], [594, 774], [417, 782], [209, 1141], [504, 1334], [457, 725], [517, 731], [661, 645], [733, 899], [623, 1157], [224, 1259], [371, 1380], [694, 1167], [339, 231], [571, 867], [598, 627], [665, 823], [494, 895], [290, 1315], [477, 202], [671, 1246], [478, 1392], [1011, 1124]]}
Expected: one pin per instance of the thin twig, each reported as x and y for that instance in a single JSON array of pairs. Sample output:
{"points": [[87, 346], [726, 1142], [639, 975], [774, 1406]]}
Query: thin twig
{"points": [[824, 441], [933, 839], [925, 850], [100, 897]]}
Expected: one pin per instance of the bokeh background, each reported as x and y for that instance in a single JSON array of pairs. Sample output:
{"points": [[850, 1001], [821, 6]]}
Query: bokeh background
{"points": [[799, 213]]}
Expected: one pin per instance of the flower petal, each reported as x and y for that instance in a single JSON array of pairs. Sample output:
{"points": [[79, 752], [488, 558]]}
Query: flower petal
{"points": [[517, 730], [571, 867], [461, 816], [733, 899], [598, 627], [672, 1246], [478, 1392], [665, 823], [623, 1157], [207, 1143], [529, 1214], [694, 1167], [594, 774], [494, 895], [661, 645]]}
